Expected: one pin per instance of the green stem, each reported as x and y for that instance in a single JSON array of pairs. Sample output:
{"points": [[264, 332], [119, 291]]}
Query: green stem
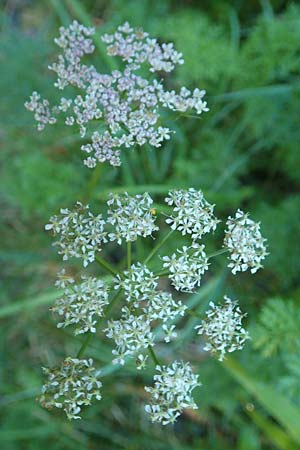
{"points": [[112, 303], [128, 255], [219, 252], [84, 345], [106, 265], [163, 273], [93, 181], [157, 247], [153, 356]]}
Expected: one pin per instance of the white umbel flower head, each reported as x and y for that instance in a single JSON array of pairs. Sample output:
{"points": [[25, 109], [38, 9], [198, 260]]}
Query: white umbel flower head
{"points": [[81, 234], [187, 267], [74, 384], [172, 392], [131, 334], [223, 329], [138, 283], [81, 304], [192, 214], [127, 104], [131, 216], [245, 243]]}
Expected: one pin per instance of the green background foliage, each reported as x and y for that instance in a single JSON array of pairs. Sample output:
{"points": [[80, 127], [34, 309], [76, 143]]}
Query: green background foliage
{"points": [[244, 152]]}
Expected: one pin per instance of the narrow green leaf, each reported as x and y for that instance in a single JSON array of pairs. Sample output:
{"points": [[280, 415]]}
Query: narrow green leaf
{"points": [[277, 406], [31, 303]]}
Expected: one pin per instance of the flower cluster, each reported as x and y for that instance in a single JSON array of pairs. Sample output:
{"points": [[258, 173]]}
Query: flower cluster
{"points": [[81, 304], [192, 214], [80, 233], [223, 328], [245, 243], [131, 216], [74, 384], [145, 305], [132, 333], [187, 267], [126, 103], [138, 284], [172, 392]]}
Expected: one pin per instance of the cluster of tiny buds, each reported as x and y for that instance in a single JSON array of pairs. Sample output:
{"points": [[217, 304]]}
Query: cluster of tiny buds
{"points": [[223, 329], [126, 104]]}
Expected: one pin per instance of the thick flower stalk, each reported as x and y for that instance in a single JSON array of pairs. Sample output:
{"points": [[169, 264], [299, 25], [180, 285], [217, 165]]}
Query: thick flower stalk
{"points": [[72, 385], [172, 392], [223, 328], [126, 105]]}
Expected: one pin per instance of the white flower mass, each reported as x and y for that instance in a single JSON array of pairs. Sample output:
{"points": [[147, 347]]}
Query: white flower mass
{"points": [[130, 216], [81, 304], [187, 267], [223, 329], [80, 233], [192, 214], [245, 243], [127, 104], [72, 385], [172, 392]]}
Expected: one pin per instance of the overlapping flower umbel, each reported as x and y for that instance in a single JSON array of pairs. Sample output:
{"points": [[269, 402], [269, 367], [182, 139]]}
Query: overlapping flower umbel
{"points": [[86, 306], [125, 105]]}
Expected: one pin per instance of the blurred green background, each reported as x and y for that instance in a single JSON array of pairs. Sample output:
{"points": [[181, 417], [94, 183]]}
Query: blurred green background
{"points": [[244, 153]]}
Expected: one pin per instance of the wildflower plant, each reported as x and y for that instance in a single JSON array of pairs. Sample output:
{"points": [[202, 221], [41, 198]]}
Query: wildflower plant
{"points": [[140, 305]]}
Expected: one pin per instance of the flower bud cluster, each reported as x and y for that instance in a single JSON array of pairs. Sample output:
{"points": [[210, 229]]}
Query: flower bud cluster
{"points": [[223, 328], [81, 234], [81, 304], [127, 104], [245, 243], [172, 392], [130, 216], [187, 267], [72, 385]]}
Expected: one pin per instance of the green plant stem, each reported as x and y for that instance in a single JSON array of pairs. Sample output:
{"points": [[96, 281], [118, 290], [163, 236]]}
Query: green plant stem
{"points": [[153, 356], [157, 247], [84, 345], [106, 265], [163, 273], [219, 252], [128, 255], [93, 181]]}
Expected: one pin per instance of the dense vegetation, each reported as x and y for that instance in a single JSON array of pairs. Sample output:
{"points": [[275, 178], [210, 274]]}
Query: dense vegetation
{"points": [[245, 151]]}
